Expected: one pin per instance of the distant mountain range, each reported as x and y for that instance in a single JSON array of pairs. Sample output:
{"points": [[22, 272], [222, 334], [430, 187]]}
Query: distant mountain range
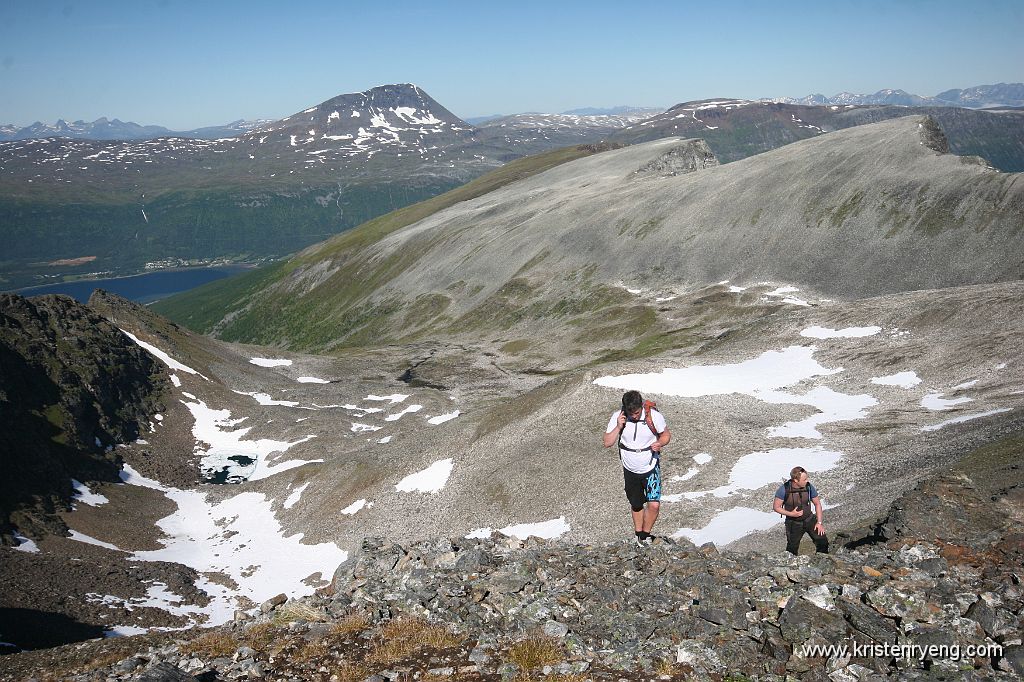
{"points": [[619, 111], [116, 205], [532, 133], [614, 111], [977, 97], [115, 129]]}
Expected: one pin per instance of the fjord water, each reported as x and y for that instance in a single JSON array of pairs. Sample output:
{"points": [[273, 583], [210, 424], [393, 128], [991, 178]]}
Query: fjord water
{"points": [[146, 288]]}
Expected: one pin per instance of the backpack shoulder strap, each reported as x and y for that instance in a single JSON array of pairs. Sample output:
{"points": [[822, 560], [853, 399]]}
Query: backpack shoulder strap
{"points": [[797, 494], [649, 407]]}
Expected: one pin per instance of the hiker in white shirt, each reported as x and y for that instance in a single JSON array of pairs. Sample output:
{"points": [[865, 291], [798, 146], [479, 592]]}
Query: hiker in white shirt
{"points": [[640, 432]]}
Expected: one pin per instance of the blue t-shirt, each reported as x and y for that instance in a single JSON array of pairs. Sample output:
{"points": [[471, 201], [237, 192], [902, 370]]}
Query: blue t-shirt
{"points": [[781, 492]]}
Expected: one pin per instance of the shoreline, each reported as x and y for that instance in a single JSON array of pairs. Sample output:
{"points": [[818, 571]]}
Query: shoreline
{"points": [[40, 289]]}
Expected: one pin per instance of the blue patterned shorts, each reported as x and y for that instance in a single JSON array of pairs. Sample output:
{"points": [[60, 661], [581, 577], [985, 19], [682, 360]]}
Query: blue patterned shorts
{"points": [[642, 488]]}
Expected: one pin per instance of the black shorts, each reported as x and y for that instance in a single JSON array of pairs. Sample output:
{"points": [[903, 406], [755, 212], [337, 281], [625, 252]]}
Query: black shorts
{"points": [[642, 488]]}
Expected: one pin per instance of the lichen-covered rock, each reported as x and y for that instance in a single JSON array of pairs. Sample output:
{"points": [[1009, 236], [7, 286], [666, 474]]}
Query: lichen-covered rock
{"points": [[801, 619], [869, 622]]}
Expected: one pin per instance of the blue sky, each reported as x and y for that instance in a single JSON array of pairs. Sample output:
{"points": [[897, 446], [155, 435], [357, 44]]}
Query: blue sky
{"points": [[185, 64]]}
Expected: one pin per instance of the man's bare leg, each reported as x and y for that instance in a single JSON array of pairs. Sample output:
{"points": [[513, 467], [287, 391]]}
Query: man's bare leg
{"points": [[638, 520], [650, 515]]}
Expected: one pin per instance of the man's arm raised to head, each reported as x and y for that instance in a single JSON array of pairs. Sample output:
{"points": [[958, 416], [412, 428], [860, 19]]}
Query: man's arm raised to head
{"points": [[612, 437]]}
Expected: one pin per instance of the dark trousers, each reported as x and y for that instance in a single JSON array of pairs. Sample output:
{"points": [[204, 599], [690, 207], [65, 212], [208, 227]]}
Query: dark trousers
{"points": [[795, 529]]}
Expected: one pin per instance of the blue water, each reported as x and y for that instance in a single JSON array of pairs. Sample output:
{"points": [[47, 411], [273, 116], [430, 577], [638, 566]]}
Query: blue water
{"points": [[145, 288]]}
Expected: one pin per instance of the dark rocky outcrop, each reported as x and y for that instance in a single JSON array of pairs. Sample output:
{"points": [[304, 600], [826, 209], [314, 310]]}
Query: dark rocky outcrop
{"points": [[71, 387], [979, 499], [932, 135], [688, 156]]}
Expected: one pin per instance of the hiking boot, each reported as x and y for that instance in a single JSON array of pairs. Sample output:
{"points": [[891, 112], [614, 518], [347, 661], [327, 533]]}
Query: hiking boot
{"points": [[639, 542], [648, 540]]}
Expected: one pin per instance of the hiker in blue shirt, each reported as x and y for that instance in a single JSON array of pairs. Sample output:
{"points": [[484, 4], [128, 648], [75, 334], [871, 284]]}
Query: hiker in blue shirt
{"points": [[793, 500]]}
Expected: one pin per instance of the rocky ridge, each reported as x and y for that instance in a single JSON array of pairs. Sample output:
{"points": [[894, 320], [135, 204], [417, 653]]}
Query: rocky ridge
{"points": [[736, 129], [499, 608], [880, 199], [73, 387]]}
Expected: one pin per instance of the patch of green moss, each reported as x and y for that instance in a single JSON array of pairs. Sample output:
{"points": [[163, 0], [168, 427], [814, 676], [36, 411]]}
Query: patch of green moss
{"points": [[516, 347], [425, 308], [650, 345], [627, 228], [533, 262], [850, 208], [200, 309], [55, 415], [993, 459], [505, 412], [504, 308], [617, 325], [363, 325], [649, 226], [939, 216]]}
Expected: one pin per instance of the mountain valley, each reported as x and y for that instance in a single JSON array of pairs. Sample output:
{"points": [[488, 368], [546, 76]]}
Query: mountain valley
{"points": [[401, 417], [851, 303]]}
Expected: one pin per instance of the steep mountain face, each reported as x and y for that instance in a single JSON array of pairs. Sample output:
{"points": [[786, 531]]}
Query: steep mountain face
{"points": [[390, 118], [736, 129], [881, 199], [73, 387]]}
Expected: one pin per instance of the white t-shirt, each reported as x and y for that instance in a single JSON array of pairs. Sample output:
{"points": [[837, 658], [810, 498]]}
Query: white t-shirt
{"points": [[637, 435]]}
